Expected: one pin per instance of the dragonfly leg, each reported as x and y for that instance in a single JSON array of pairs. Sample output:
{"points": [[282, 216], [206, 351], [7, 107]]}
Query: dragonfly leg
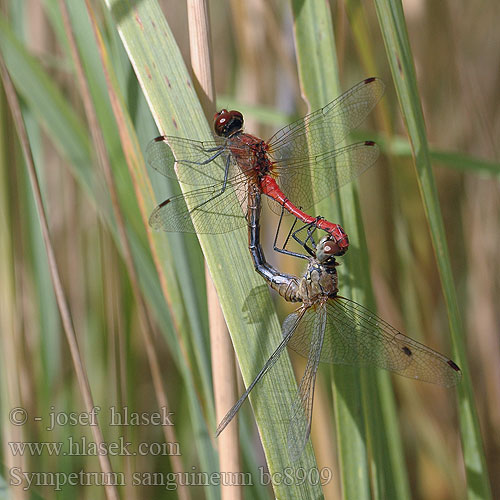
{"points": [[218, 152], [223, 188], [310, 231], [311, 227], [283, 249]]}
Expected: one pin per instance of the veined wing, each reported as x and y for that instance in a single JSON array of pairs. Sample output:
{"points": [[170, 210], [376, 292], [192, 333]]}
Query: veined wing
{"points": [[301, 414], [355, 335], [324, 129], [200, 163], [287, 334], [328, 171], [211, 212]]}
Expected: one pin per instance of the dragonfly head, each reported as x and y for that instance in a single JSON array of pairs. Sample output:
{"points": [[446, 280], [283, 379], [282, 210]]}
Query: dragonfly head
{"points": [[326, 249], [226, 123]]}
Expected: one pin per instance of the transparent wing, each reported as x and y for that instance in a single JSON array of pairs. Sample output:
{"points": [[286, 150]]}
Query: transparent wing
{"points": [[324, 129], [301, 412], [328, 171], [211, 212], [355, 335], [197, 163], [287, 333]]}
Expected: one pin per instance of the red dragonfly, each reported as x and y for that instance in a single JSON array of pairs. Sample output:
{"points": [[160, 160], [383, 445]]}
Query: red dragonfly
{"points": [[281, 167]]}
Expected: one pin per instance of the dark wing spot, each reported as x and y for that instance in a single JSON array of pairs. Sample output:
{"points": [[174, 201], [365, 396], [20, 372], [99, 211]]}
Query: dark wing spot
{"points": [[160, 138], [369, 80], [163, 203], [407, 351], [453, 365], [369, 143]]}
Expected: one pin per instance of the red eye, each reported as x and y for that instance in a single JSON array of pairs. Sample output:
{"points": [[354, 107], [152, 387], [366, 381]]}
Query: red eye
{"points": [[226, 123], [330, 248], [222, 111]]}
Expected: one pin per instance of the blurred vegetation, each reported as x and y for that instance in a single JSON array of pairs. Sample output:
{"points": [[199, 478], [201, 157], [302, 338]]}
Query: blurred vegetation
{"points": [[455, 52]]}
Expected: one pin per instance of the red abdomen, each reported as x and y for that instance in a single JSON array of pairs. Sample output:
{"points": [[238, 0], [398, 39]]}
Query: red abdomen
{"points": [[269, 187]]}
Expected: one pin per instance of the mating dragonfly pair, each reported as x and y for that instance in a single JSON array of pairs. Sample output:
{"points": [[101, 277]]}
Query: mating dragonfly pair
{"points": [[234, 170]]}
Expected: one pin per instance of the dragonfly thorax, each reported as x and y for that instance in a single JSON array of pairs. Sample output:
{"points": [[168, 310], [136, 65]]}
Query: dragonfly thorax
{"points": [[319, 280], [251, 154], [263, 164]]}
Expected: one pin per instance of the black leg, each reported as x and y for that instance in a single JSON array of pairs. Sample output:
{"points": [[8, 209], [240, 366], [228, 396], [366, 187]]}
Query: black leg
{"points": [[311, 227], [310, 232], [223, 188], [291, 229], [283, 249], [218, 152]]}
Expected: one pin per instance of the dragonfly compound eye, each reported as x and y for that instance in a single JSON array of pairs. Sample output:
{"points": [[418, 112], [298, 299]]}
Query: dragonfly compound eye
{"points": [[226, 123], [326, 249]]}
